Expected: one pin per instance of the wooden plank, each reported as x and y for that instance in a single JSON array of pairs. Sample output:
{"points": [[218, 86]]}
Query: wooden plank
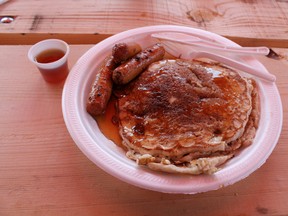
{"points": [[264, 21], [42, 172]]}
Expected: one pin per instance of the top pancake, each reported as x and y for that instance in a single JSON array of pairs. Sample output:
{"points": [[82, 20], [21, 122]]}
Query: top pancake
{"points": [[182, 110]]}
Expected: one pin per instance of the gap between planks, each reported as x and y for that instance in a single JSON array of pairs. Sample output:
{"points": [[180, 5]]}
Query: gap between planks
{"points": [[31, 38]]}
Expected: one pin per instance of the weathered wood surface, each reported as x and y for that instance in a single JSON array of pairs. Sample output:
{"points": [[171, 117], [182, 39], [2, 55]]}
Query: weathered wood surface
{"points": [[248, 22], [42, 172]]}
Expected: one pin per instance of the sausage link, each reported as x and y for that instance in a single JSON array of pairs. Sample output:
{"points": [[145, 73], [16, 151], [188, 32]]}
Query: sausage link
{"points": [[102, 86], [130, 69], [101, 89], [123, 51]]}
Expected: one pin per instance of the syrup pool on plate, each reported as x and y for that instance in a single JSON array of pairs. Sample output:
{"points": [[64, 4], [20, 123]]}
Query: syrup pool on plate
{"points": [[108, 125]]}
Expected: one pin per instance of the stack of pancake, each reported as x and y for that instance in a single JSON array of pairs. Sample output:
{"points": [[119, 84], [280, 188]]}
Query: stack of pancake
{"points": [[188, 117]]}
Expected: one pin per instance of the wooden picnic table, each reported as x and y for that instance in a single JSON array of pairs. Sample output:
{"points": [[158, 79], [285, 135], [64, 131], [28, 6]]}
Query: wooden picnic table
{"points": [[43, 172]]}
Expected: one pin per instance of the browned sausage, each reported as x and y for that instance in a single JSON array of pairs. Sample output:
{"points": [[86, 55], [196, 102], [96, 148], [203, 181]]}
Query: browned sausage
{"points": [[123, 51], [101, 89], [130, 69], [102, 86]]}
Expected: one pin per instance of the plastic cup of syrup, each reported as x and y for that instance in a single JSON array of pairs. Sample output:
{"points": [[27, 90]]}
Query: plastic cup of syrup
{"points": [[50, 57]]}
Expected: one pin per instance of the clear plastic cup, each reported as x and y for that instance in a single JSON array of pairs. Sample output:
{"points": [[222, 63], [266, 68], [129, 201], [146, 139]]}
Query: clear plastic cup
{"points": [[50, 57]]}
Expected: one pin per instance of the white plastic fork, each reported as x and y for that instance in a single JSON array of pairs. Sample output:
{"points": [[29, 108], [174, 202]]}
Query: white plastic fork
{"points": [[206, 44], [177, 52]]}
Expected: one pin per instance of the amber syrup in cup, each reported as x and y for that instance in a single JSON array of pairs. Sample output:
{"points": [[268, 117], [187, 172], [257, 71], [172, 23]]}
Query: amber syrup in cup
{"points": [[56, 74], [50, 56]]}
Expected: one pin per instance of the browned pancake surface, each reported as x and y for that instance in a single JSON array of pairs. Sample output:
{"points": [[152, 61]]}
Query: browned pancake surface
{"points": [[182, 110]]}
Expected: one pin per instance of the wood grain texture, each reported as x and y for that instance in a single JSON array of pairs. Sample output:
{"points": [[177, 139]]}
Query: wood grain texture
{"points": [[42, 172], [261, 22]]}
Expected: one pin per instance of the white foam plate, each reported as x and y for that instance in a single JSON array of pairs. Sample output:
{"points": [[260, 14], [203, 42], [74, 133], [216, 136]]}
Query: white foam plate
{"points": [[105, 154]]}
